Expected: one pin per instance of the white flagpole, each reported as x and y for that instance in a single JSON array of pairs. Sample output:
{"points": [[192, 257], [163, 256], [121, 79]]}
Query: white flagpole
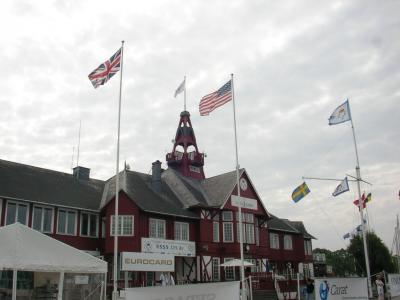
{"points": [[238, 189], [361, 204], [184, 95], [116, 225]]}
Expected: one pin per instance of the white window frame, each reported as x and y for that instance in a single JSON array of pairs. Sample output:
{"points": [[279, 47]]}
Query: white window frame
{"points": [[179, 227], [66, 221], [18, 204], [42, 217], [274, 240], [216, 269], [1, 210], [157, 222], [231, 269], [287, 242], [307, 247], [224, 238], [216, 232], [121, 219], [90, 215]]}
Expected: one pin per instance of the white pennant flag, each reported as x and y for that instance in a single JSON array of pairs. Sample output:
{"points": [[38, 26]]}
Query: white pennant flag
{"points": [[341, 114], [180, 88], [341, 188]]}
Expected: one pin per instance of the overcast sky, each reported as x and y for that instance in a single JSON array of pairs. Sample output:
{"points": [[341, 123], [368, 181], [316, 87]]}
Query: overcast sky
{"points": [[294, 63]]}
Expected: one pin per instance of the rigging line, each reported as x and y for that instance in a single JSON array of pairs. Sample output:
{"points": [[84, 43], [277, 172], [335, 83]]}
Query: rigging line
{"points": [[331, 222], [330, 179], [360, 179]]}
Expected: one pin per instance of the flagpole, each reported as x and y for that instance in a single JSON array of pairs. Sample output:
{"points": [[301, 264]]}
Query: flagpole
{"points": [[116, 225], [238, 190], [184, 95], [360, 205]]}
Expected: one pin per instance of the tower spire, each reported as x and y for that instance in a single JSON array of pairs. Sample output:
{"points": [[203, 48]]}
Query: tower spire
{"points": [[185, 156]]}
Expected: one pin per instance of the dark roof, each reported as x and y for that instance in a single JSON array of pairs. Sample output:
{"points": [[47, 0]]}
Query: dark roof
{"points": [[278, 224], [286, 225], [301, 228], [138, 188], [219, 187], [24, 182]]}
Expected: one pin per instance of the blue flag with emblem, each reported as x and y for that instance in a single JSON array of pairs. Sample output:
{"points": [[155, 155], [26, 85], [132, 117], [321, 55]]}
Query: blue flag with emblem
{"points": [[341, 188], [341, 114], [300, 192]]}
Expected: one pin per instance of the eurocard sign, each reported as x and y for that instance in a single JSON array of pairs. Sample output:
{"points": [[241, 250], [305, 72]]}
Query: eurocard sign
{"points": [[152, 262]]}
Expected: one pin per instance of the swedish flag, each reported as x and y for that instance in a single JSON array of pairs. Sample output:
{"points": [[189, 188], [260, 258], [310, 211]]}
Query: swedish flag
{"points": [[300, 192]]}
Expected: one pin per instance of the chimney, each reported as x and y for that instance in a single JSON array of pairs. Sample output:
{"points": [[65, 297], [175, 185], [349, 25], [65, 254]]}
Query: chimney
{"points": [[81, 173], [156, 176]]}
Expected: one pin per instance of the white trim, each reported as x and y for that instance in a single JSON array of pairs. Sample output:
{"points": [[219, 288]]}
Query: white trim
{"points": [[276, 238], [232, 232], [182, 224], [120, 223], [88, 229], [165, 228], [17, 203], [66, 221], [226, 259], [1, 209], [216, 239], [42, 219], [219, 269], [50, 204], [288, 239]]}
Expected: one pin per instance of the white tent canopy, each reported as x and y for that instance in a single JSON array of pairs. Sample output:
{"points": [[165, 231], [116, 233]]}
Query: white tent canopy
{"points": [[237, 263], [22, 248]]}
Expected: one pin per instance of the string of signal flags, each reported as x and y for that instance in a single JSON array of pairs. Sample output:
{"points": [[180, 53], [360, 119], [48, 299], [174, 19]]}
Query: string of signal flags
{"points": [[340, 115]]}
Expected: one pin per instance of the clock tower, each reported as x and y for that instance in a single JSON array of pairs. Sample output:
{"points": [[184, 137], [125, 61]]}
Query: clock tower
{"points": [[185, 156]]}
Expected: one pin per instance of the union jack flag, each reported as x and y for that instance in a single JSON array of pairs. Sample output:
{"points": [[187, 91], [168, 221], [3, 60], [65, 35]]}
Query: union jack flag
{"points": [[106, 70]]}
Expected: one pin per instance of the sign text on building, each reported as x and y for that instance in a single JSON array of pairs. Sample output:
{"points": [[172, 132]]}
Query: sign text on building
{"points": [[177, 248], [244, 202], [154, 262]]}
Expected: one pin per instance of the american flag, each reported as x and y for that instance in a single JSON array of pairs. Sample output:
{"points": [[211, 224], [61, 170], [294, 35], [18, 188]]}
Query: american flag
{"points": [[106, 70], [211, 101]]}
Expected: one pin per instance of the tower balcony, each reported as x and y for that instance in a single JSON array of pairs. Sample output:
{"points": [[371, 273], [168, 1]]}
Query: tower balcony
{"points": [[174, 157], [196, 159]]}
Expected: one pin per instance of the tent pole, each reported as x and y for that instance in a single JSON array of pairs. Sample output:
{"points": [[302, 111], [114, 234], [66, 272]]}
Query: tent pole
{"points": [[60, 286], [14, 286]]}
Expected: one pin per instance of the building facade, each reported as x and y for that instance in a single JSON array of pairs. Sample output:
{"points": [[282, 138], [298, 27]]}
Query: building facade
{"points": [[173, 206]]}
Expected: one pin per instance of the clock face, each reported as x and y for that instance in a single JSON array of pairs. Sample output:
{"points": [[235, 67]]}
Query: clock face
{"points": [[243, 184]]}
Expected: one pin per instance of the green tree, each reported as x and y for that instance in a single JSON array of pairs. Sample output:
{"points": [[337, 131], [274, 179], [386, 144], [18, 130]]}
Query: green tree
{"points": [[379, 256], [341, 260]]}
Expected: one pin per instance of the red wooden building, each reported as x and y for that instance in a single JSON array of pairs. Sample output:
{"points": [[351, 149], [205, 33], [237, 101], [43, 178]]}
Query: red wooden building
{"points": [[173, 204]]}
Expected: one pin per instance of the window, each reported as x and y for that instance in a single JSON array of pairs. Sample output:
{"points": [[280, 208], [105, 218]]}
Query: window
{"points": [[42, 219], [248, 228], [287, 242], [89, 226], [181, 231], [257, 233], [227, 216], [103, 227], [215, 231], [307, 247], [1, 209], [215, 269], [16, 212], [157, 228], [125, 225], [274, 241], [66, 223], [229, 271], [228, 232], [227, 226]]}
